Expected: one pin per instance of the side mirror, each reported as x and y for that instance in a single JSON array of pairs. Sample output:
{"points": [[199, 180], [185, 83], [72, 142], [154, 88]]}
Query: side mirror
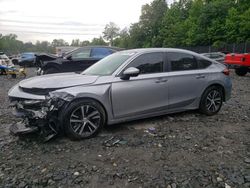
{"points": [[130, 72]]}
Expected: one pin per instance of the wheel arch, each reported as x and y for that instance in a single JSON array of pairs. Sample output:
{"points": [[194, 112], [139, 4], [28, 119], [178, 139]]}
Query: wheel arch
{"points": [[217, 85], [51, 65], [93, 99]]}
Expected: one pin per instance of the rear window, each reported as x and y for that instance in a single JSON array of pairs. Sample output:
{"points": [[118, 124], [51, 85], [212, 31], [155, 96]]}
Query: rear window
{"points": [[203, 63], [216, 55], [100, 52], [27, 55]]}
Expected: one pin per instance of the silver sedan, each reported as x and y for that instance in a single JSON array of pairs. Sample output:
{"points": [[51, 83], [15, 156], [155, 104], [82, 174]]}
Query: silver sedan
{"points": [[124, 86]]}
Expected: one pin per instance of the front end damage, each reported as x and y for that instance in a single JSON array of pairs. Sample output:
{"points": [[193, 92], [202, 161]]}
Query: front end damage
{"points": [[40, 116]]}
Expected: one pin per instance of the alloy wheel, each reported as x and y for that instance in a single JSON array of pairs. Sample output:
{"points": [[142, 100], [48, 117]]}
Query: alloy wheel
{"points": [[85, 120], [213, 101]]}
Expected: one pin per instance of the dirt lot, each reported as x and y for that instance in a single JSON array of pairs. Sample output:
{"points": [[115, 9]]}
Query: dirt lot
{"points": [[177, 150]]}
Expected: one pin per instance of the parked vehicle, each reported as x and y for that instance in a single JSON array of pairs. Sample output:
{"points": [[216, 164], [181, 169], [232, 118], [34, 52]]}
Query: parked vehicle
{"points": [[14, 59], [124, 86], [217, 56], [27, 59], [74, 61], [5, 64], [4, 60], [239, 62], [12, 71]]}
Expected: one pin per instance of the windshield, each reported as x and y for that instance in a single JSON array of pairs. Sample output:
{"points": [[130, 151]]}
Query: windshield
{"points": [[65, 54], [108, 65]]}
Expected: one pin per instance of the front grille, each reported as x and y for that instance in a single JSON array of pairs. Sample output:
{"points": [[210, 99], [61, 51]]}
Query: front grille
{"points": [[36, 91]]}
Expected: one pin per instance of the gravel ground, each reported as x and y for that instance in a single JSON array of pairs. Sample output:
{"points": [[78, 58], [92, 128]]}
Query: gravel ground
{"points": [[178, 150]]}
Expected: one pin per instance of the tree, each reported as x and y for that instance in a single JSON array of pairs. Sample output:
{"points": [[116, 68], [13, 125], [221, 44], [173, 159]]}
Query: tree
{"points": [[182, 24], [85, 43], [59, 42], [123, 39], [98, 41], [137, 36], [244, 31], [75, 42], [174, 29], [110, 32], [151, 22]]}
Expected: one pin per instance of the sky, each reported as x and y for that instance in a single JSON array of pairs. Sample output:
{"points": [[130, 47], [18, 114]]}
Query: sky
{"points": [[33, 20]]}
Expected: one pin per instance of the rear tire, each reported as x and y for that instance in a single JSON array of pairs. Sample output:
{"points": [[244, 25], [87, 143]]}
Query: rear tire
{"points": [[211, 101], [84, 119], [241, 71], [51, 70]]}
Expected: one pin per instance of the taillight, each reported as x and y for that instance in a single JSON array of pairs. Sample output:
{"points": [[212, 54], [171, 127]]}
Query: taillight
{"points": [[226, 72]]}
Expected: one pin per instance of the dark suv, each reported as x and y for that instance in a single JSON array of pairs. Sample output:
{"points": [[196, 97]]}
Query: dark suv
{"points": [[74, 61]]}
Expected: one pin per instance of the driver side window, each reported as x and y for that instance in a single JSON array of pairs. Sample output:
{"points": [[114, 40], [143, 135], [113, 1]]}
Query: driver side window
{"points": [[148, 63], [81, 54]]}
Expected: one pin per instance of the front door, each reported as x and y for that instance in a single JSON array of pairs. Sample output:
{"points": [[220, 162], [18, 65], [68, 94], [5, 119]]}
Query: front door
{"points": [[146, 93]]}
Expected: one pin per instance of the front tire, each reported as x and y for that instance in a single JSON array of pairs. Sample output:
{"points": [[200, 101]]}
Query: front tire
{"points": [[84, 119], [211, 101]]}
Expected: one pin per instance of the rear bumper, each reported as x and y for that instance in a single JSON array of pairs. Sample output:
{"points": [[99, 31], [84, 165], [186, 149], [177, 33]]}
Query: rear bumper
{"points": [[235, 66], [228, 89]]}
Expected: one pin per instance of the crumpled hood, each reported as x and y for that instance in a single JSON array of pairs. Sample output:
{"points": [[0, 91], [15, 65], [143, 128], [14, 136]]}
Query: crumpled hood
{"points": [[57, 81]]}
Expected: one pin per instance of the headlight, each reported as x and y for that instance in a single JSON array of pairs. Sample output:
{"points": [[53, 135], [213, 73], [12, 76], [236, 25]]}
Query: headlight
{"points": [[31, 102]]}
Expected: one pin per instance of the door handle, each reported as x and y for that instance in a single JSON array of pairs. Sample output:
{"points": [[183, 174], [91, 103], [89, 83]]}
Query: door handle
{"points": [[161, 80], [200, 76]]}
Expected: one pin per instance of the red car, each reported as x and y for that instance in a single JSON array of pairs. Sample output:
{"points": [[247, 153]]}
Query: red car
{"points": [[240, 62]]}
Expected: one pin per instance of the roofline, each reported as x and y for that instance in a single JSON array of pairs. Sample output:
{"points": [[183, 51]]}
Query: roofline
{"points": [[143, 50], [91, 46]]}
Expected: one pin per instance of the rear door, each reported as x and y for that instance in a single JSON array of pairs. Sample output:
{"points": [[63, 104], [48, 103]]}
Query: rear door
{"points": [[186, 79]]}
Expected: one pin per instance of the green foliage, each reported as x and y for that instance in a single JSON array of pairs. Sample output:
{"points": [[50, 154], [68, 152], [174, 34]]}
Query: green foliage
{"points": [[98, 41], [75, 42], [146, 32], [123, 39], [183, 23], [190, 23], [59, 42], [244, 25]]}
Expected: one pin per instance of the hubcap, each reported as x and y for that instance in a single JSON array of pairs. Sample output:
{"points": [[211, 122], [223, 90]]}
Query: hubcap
{"points": [[213, 101], [85, 120]]}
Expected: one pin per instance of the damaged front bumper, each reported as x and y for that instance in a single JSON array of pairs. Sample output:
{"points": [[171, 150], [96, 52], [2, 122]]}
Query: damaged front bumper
{"points": [[42, 116], [20, 128]]}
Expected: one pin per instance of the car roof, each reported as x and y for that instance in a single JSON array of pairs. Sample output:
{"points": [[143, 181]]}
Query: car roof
{"points": [[147, 50], [100, 46]]}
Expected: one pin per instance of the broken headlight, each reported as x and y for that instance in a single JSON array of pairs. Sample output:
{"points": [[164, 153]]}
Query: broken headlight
{"points": [[53, 103], [31, 102]]}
